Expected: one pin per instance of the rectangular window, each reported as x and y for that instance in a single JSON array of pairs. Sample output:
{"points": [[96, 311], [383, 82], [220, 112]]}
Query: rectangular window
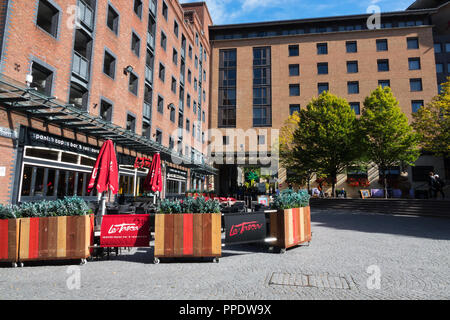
{"points": [[294, 50], [382, 45], [227, 89], [165, 10], [135, 44], [160, 104], [188, 125], [262, 101], [414, 63], [175, 56], [352, 66], [162, 72], [131, 123], [322, 68], [351, 46], [261, 139], [189, 76], [172, 113], [413, 43], [356, 106], [437, 48], [159, 136], [138, 8], [415, 84], [322, 48], [353, 87], [175, 28], [47, 17], [384, 83], [109, 65], [294, 90], [133, 84], [42, 79], [146, 129], [113, 20], [174, 85], [321, 87], [163, 40], [439, 67], [383, 65], [294, 108], [106, 110], [294, 70], [447, 47], [416, 105]]}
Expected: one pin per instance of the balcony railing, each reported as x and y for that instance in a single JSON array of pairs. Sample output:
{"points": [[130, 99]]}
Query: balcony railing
{"points": [[80, 66], [149, 74], [150, 40], [152, 7], [147, 113], [86, 14]]}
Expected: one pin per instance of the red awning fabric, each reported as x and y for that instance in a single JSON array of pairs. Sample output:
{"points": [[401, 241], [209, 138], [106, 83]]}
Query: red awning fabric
{"points": [[153, 182], [105, 174]]}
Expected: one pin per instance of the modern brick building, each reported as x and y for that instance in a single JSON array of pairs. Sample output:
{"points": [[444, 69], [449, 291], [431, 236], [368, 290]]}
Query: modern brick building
{"points": [[75, 72], [263, 72]]}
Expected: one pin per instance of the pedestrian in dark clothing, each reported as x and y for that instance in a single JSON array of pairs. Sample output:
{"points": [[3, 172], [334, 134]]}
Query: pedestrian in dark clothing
{"points": [[439, 186], [432, 183]]}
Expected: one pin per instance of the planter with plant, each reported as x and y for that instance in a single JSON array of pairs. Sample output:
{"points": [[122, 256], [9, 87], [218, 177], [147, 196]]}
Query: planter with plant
{"points": [[291, 223], [188, 228], [49, 230]]}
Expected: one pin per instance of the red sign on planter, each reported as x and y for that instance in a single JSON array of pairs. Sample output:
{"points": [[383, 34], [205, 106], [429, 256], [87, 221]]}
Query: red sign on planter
{"points": [[125, 231]]}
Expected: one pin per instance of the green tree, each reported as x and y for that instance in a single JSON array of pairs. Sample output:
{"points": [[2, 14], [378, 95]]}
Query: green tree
{"points": [[326, 139], [388, 138], [432, 123]]}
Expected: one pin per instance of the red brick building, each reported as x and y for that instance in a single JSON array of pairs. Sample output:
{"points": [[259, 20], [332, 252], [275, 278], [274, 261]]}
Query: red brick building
{"points": [[75, 72]]}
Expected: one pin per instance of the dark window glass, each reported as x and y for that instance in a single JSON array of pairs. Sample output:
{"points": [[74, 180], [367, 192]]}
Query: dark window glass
{"points": [[175, 28], [160, 104], [416, 105], [159, 136], [131, 123], [384, 83], [175, 56], [109, 65], [47, 17], [437, 48], [382, 45], [294, 90], [42, 79], [78, 96], [133, 84], [162, 72], [163, 40], [322, 48], [353, 87], [294, 69], [414, 63], [106, 110], [138, 7], [113, 20], [322, 68], [383, 65], [413, 43], [351, 46], [356, 107], [294, 50], [42, 153], [165, 10], [69, 157], [322, 87], [352, 66], [174, 85], [135, 44], [294, 108], [415, 84]]}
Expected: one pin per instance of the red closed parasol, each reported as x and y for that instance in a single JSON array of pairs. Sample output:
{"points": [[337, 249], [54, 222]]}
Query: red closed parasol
{"points": [[153, 182], [105, 174]]}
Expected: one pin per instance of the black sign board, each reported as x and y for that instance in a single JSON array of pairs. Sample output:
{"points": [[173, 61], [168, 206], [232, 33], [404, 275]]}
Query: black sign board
{"points": [[176, 174], [245, 228]]}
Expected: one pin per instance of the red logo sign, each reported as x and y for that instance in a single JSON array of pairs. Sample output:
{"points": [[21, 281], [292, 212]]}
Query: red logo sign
{"points": [[142, 162], [245, 226], [125, 231]]}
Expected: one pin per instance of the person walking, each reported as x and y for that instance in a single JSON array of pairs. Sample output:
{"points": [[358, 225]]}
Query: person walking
{"points": [[440, 184], [432, 183]]}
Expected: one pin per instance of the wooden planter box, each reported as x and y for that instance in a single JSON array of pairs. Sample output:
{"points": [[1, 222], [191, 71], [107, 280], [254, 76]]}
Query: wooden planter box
{"points": [[9, 241], [56, 238], [188, 235], [291, 227]]}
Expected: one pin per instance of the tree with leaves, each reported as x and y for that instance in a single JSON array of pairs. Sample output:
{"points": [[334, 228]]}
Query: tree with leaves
{"points": [[388, 138], [326, 138], [432, 123]]}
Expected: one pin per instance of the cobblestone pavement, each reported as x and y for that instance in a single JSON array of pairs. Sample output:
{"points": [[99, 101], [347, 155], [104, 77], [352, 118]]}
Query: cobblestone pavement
{"points": [[412, 255]]}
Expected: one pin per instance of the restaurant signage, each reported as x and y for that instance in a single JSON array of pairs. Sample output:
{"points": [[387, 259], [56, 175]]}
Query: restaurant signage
{"points": [[142, 162], [8, 133], [125, 231], [176, 174], [245, 228]]}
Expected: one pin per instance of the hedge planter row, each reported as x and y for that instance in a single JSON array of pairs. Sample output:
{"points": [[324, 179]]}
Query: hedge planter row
{"points": [[46, 238], [188, 235], [291, 227]]}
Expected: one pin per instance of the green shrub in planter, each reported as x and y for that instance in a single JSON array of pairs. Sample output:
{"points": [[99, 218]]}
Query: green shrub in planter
{"points": [[189, 205], [289, 199]]}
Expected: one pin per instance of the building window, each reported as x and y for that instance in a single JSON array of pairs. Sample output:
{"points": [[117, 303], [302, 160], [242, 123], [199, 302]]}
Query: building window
{"points": [[382, 45], [131, 123], [175, 28], [172, 113], [415, 84], [294, 50], [47, 17], [413, 43], [447, 47], [175, 56], [414, 63], [261, 139], [78, 96], [113, 20], [294, 108], [109, 65], [322, 68], [353, 87], [188, 100], [159, 136], [294, 70], [174, 85], [416, 105], [437, 48], [294, 90], [383, 65], [42, 79], [323, 87], [165, 10], [439, 67], [351, 46], [133, 84], [384, 83], [138, 8], [188, 125], [106, 109], [227, 88], [352, 66], [162, 72], [190, 51], [322, 48], [189, 76], [163, 40], [135, 44], [356, 106], [160, 104], [146, 129]]}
